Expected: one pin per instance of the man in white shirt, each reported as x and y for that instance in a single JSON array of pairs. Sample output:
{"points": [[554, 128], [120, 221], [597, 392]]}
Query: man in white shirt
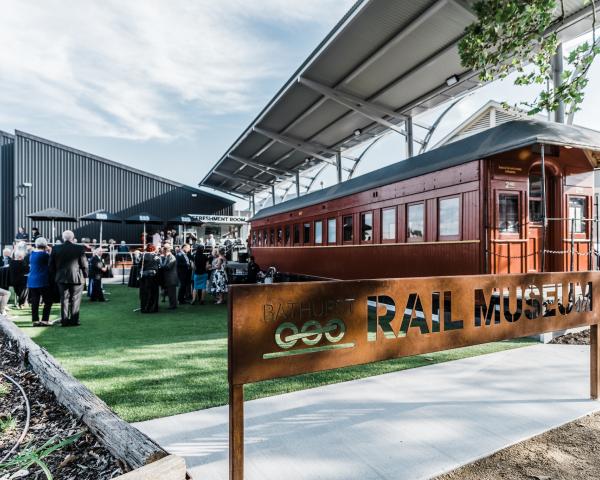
{"points": [[157, 240], [211, 241]]}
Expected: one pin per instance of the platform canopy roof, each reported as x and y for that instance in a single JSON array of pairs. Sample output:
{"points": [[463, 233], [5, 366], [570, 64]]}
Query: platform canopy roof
{"points": [[385, 61], [503, 138]]}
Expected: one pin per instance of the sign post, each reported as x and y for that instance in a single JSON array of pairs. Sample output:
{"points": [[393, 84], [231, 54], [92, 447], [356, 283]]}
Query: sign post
{"points": [[594, 361], [236, 432], [236, 407], [289, 329]]}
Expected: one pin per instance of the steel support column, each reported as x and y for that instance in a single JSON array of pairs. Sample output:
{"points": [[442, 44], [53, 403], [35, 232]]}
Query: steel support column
{"points": [[338, 164], [273, 193], [251, 204], [297, 183], [409, 137], [557, 71]]}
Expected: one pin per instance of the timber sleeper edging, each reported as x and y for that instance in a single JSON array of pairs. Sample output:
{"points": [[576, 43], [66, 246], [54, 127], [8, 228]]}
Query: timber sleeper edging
{"points": [[125, 442]]}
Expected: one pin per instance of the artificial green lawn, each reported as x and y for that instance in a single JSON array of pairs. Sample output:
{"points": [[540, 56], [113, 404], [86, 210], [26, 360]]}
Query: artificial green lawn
{"points": [[149, 366]]}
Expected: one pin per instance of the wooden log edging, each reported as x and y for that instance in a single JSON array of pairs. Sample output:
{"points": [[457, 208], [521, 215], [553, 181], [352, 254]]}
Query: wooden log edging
{"points": [[124, 441]]}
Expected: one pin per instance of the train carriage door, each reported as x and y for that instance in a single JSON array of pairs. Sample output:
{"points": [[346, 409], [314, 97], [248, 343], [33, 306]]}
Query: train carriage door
{"points": [[542, 241], [507, 242], [577, 232]]}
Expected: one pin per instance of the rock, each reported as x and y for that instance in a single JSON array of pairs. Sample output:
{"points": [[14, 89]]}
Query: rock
{"points": [[19, 474], [68, 459]]}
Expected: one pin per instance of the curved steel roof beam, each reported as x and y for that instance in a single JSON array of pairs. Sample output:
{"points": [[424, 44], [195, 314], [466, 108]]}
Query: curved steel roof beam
{"points": [[312, 149]]}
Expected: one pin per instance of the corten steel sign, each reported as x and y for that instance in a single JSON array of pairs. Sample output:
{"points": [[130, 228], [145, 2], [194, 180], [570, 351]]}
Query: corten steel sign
{"points": [[289, 329]]}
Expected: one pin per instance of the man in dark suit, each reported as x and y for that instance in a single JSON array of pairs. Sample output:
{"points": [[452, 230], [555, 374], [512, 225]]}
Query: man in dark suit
{"points": [[168, 265], [97, 269], [22, 234], [69, 268], [5, 269], [184, 273]]}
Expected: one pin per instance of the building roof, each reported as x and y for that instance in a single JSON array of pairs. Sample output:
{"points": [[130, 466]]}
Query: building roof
{"points": [[6, 135], [386, 60], [508, 136], [489, 115], [29, 136]]}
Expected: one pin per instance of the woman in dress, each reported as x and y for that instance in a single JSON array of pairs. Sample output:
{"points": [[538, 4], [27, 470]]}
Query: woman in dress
{"points": [[18, 270], [134, 270], [97, 269], [38, 283], [219, 282], [210, 267], [200, 276]]}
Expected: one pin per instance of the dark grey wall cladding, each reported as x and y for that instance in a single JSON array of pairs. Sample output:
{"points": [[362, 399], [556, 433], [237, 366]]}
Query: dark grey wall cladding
{"points": [[7, 193], [80, 183]]}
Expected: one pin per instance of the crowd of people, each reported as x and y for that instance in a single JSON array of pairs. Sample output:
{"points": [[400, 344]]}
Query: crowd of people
{"points": [[41, 274], [184, 275]]}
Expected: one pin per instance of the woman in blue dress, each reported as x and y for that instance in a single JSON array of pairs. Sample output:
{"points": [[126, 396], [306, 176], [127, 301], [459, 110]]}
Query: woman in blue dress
{"points": [[38, 283]]}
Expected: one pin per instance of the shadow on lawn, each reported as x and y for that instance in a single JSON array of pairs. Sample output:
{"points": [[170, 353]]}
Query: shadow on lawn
{"points": [[142, 365], [114, 326], [149, 366]]}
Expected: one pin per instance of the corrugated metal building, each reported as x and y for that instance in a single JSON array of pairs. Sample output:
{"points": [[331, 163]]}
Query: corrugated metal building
{"points": [[36, 174], [7, 193]]}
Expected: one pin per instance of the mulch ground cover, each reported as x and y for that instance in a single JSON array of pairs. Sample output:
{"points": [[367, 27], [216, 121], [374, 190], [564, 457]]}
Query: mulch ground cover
{"points": [[576, 338], [569, 452], [85, 459]]}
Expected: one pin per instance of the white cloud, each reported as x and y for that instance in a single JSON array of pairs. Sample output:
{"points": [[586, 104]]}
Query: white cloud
{"points": [[142, 69]]}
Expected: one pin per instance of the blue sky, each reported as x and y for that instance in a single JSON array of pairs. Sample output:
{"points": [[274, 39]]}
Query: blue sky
{"points": [[163, 86], [168, 87]]}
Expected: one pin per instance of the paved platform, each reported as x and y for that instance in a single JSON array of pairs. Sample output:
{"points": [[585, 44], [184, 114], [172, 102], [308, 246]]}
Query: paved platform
{"points": [[413, 424]]}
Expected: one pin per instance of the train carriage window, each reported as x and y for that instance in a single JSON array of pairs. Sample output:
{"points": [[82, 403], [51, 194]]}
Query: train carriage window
{"points": [[508, 213], [388, 224], [306, 233], [318, 232], [415, 222], [287, 235], [366, 227], [449, 217], [279, 236], [347, 228], [272, 237], [265, 238], [577, 206], [254, 244], [296, 234], [535, 198], [331, 231]]}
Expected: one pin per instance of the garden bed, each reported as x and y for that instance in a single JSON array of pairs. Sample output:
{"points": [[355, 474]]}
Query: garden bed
{"points": [[50, 424], [581, 337], [570, 452]]}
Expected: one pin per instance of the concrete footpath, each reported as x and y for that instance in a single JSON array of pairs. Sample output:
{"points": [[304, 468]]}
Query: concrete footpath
{"points": [[412, 425]]}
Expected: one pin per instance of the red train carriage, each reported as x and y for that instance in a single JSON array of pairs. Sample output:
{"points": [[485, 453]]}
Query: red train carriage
{"points": [[479, 205]]}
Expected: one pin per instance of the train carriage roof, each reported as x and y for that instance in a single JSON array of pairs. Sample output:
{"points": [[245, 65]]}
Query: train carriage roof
{"points": [[503, 138]]}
